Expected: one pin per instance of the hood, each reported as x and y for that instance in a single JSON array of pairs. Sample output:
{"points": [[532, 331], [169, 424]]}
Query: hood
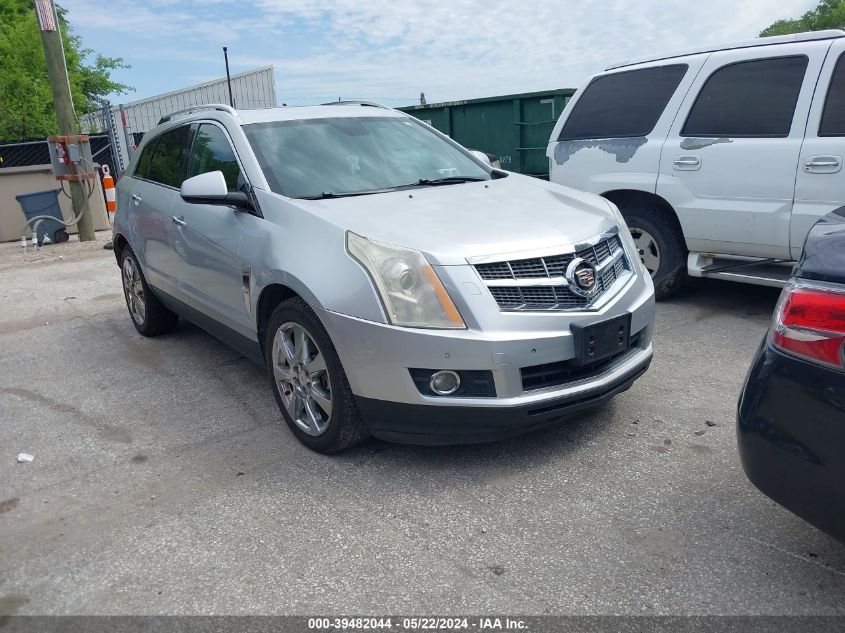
{"points": [[451, 223], [823, 258]]}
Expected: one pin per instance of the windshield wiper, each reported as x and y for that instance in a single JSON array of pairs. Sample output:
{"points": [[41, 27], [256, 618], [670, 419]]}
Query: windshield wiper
{"points": [[447, 180], [331, 194], [422, 182]]}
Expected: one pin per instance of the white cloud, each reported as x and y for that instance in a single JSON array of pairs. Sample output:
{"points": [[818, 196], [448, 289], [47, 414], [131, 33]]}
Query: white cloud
{"points": [[449, 49]]}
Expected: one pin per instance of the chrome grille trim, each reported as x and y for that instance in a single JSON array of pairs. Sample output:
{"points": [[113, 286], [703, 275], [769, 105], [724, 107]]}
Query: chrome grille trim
{"points": [[537, 284]]}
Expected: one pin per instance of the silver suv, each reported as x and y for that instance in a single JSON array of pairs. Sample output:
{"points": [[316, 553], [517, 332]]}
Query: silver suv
{"points": [[391, 281]]}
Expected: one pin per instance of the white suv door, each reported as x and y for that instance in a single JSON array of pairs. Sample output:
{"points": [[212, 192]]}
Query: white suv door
{"points": [[728, 164], [610, 135], [820, 183]]}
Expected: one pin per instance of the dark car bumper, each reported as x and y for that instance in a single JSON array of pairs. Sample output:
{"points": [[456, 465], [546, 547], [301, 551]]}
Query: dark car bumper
{"points": [[440, 425], [791, 436]]}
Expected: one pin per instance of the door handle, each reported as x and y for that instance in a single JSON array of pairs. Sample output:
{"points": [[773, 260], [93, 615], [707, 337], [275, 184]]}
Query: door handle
{"points": [[823, 164], [136, 199], [178, 220], [686, 162]]}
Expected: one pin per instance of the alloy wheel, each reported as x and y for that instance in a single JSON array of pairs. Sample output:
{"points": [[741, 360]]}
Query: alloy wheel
{"points": [[133, 288], [300, 372], [647, 249]]}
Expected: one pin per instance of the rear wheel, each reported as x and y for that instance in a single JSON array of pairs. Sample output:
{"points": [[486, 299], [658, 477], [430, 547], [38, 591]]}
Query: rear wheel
{"points": [[309, 383], [60, 236], [149, 316], [660, 246]]}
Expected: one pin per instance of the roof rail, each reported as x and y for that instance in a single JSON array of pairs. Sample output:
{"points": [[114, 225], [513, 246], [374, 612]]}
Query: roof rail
{"points": [[371, 104], [198, 108], [760, 41]]}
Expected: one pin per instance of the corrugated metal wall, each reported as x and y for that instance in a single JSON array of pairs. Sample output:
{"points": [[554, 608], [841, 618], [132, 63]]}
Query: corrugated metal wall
{"points": [[515, 128], [251, 90]]}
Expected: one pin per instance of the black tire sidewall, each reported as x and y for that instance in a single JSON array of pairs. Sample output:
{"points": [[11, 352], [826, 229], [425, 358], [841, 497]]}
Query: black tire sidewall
{"points": [[128, 254], [672, 270], [296, 311], [158, 319]]}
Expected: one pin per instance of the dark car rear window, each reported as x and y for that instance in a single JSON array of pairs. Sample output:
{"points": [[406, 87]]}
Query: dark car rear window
{"points": [[623, 104]]}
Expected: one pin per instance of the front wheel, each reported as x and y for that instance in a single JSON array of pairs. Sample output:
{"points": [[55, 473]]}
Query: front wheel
{"points": [[309, 383], [149, 316], [660, 246]]}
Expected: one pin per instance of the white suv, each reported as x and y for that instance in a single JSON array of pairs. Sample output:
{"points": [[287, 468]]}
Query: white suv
{"points": [[720, 159]]}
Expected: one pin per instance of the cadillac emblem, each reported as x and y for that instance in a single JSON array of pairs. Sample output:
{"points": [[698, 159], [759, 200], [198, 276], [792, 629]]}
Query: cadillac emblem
{"points": [[581, 276]]}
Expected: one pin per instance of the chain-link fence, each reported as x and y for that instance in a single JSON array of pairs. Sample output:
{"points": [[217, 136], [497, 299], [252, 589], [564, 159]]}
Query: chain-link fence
{"points": [[29, 153]]}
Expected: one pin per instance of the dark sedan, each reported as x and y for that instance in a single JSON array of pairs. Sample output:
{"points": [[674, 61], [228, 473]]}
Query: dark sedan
{"points": [[791, 416]]}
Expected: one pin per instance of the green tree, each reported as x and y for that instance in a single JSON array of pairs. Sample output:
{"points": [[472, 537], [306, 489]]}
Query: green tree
{"points": [[26, 103], [829, 14]]}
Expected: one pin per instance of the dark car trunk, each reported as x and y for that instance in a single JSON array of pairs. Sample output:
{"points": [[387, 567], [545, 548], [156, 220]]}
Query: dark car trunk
{"points": [[823, 258]]}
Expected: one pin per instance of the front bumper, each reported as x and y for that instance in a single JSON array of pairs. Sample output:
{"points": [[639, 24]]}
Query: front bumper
{"points": [[791, 436], [377, 358], [425, 424]]}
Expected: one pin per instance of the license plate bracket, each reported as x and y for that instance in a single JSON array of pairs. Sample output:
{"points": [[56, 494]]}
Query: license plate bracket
{"points": [[598, 341]]}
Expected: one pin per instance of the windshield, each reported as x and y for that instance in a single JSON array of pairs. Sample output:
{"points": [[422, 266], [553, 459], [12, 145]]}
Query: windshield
{"points": [[335, 156]]}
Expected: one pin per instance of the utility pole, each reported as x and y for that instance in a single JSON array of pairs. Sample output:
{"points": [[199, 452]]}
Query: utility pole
{"points": [[54, 52]]}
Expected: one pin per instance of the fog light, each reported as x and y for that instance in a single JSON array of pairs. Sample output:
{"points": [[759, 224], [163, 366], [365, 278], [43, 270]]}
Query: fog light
{"points": [[444, 382]]}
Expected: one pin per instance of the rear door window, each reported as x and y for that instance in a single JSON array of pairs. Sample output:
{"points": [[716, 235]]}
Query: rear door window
{"points": [[142, 168], [212, 151], [833, 117], [624, 104], [167, 161], [753, 99]]}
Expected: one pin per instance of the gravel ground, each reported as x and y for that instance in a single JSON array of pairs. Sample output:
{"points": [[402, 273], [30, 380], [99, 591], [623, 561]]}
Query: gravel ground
{"points": [[165, 482]]}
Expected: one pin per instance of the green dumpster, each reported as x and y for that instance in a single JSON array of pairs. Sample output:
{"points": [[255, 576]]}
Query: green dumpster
{"points": [[516, 128]]}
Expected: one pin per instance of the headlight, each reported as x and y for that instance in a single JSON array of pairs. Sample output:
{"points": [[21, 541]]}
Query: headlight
{"points": [[412, 293], [627, 239]]}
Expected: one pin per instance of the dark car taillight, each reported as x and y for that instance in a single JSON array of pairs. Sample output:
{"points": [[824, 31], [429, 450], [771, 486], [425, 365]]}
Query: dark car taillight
{"points": [[809, 322]]}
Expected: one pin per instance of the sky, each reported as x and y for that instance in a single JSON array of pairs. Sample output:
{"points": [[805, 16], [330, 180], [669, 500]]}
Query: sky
{"points": [[391, 50]]}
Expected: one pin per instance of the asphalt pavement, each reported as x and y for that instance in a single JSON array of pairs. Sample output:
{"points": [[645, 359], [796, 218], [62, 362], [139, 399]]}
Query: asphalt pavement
{"points": [[165, 482]]}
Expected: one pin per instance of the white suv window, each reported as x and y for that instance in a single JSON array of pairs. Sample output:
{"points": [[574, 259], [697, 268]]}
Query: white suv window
{"points": [[623, 105], [748, 99], [833, 118]]}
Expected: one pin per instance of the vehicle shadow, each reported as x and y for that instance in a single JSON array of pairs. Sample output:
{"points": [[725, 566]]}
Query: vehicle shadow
{"points": [[492, 460], [713, 297], [522, 451]]}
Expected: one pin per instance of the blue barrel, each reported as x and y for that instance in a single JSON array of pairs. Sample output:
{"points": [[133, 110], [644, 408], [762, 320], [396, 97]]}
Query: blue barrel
{"points": [[44, 203]]}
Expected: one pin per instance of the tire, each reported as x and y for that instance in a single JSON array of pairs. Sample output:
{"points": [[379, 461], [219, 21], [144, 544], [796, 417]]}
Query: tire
{"points": [[327, 418], [661, 247], [149, 316], [60, 236]]}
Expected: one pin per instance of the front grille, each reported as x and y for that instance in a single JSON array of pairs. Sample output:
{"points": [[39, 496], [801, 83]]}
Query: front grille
{"points": [[563, 372], [553, 296], [528, 298]]}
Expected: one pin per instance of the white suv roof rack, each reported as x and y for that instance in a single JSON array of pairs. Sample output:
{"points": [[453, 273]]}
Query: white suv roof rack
{"points": [[198, 108], [760, 41], [372, 104]]}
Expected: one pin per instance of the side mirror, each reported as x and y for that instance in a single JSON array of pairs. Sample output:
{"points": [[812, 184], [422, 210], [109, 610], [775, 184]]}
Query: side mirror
{"points": [[210, 188], [481, 156]]}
